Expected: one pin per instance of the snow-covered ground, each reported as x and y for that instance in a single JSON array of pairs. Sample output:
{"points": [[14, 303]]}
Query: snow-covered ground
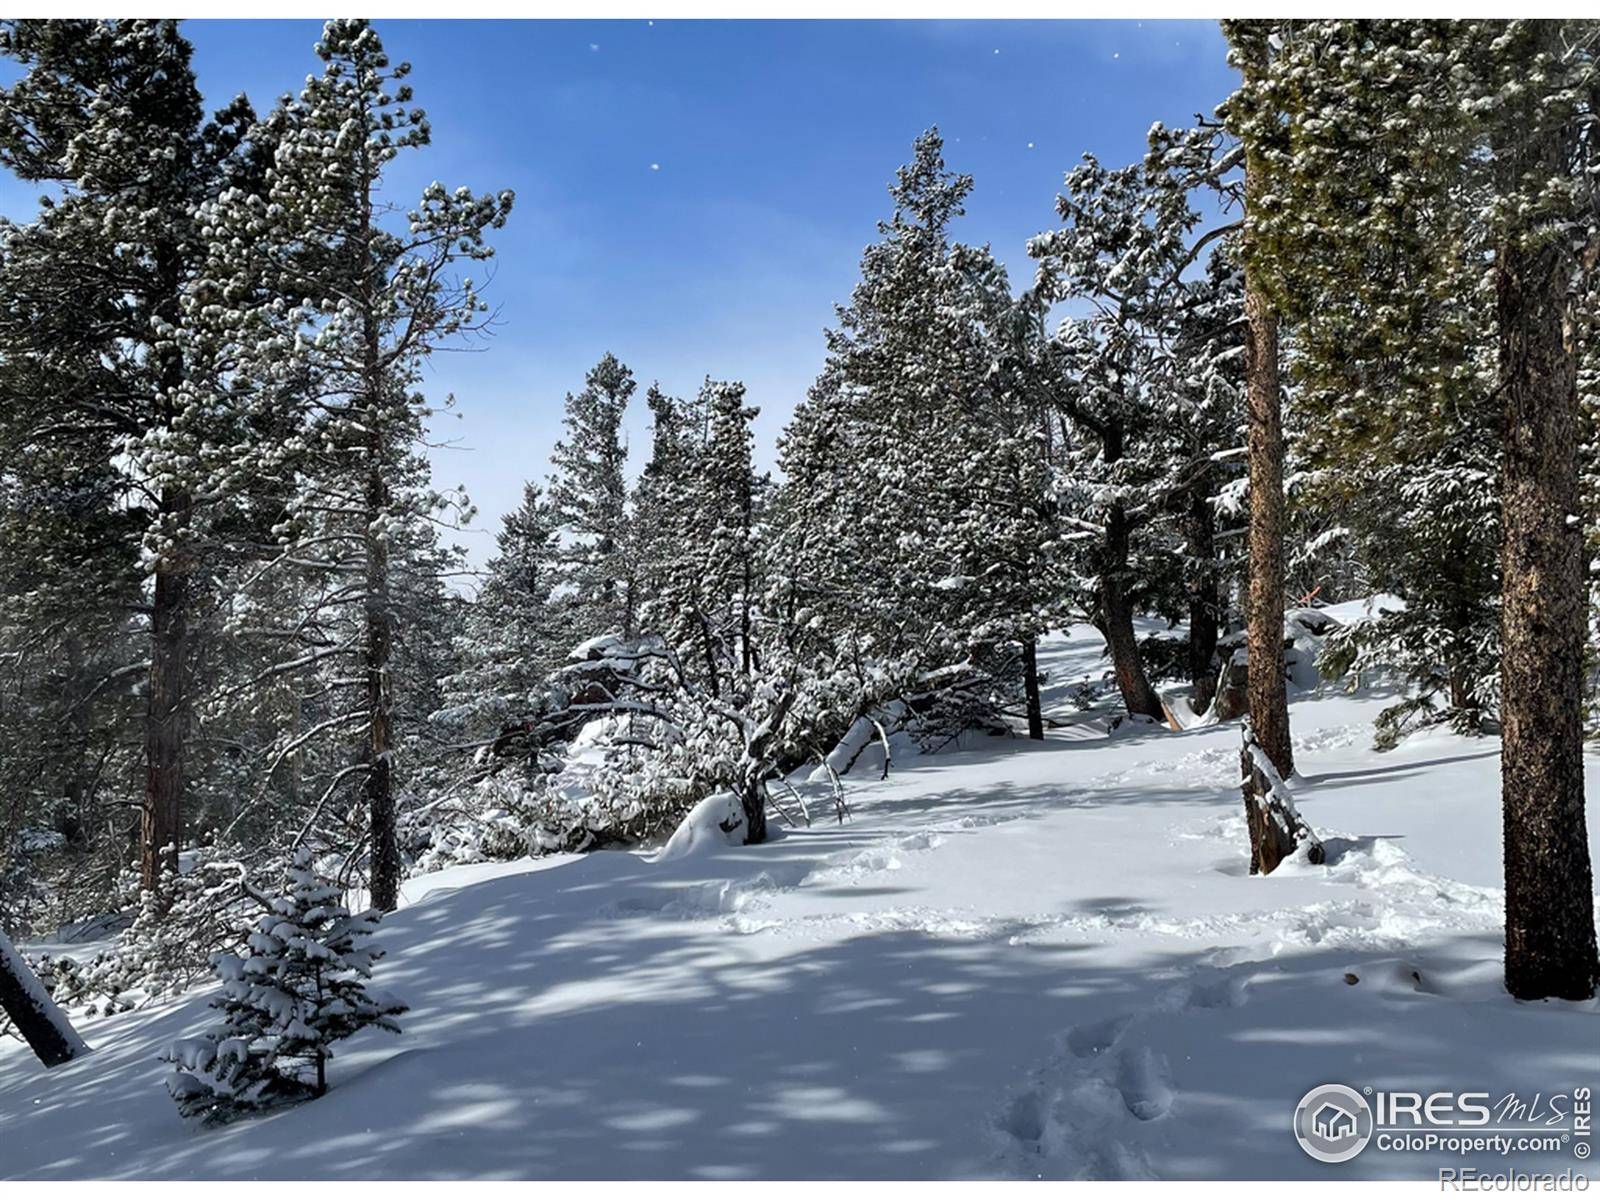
{"points": [[1017, 959]]}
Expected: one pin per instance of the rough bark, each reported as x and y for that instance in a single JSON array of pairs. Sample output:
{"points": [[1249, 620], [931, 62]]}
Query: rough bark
{"points": [[1231, 694], [1550, 934], [379, 701], [1269, 697], [38, 1019], [166, 718], [1116, 607], [1030, 683], [167, 694], [1204, 600]]}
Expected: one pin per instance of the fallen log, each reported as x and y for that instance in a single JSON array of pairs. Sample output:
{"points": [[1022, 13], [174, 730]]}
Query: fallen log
{"points": [[38, 1018], [1277, 830]]}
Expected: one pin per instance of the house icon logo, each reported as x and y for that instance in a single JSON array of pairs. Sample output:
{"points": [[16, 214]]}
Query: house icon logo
{"points": [[1333, 1123]]}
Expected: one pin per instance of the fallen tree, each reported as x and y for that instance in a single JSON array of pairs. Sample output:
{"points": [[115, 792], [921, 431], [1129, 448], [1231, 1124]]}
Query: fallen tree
{"points": [[1277, 830], [37, 1018]]}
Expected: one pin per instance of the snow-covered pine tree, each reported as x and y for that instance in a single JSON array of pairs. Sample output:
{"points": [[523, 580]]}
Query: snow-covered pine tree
{"points": [[1147, 379], [832, 573], [516, 631], [301, 987], [914, 459], [108, 116], [1003, 539], [1122, 251], [328, 299], [1254, 120], [588, 490], [709, 572], [1508, 135], [1393, 416], [1203, 409], [1199, 431], [676, 429]]}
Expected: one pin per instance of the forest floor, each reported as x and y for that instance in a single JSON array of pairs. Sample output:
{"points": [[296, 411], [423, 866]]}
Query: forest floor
{"points": [[1016, 959]]}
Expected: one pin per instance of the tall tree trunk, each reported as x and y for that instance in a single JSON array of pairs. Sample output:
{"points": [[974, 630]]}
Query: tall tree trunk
{"points": [[1269, 696], [167, 694], [1116, 608], [1030, 683], [38, 1019], [1116, 612], [166, 717], [379, 698], [1550, 934], [1204, 600]]}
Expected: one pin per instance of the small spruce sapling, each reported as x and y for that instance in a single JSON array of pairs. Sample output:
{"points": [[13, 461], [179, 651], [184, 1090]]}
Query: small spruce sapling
{"points": [[301, 987]]}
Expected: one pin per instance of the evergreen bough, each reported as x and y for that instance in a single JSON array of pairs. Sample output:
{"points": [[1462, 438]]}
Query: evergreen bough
{"points": [[301, 987]]}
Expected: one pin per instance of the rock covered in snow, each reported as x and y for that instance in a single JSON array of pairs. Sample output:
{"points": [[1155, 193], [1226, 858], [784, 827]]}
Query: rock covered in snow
{"points": [[716, 822]]}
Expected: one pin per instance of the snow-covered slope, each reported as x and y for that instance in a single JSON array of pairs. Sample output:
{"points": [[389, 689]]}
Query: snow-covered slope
{"points": [[1016, 960]]}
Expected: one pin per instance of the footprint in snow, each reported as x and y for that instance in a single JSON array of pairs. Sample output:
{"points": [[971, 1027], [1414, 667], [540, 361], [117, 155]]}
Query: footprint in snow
{"points": [[1024, 1119], [1089, 1041], [1145, 1083], [1080, 1106], [1216, 990], [1083, 1107]]}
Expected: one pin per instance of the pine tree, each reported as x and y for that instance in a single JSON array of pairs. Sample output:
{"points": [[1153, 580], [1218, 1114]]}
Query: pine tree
{"points": [[326, 313], [1201, 415], [697, 512], [300, 988], [589, 493], [730, 497], [1394, 424], [914, 481], [675, 429], [1540, 136], [516, 631], [1134, 447], [1507, 143], [1256, 126], [108, 114]]}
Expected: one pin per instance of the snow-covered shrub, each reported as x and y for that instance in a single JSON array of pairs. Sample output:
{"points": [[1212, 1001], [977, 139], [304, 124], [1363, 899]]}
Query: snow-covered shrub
{"points": [[204, 910], [633, 778], [957, 699], [300, 987], [496, 818], [208, 908]]}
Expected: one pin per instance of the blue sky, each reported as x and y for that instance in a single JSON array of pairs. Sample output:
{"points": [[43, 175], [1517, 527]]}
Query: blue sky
{"points": [[773, 144]]}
